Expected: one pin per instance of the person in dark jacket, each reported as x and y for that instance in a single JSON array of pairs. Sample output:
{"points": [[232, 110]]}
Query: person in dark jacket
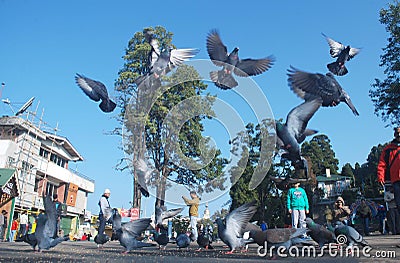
{"points": [[58, 213], [365, 213]]}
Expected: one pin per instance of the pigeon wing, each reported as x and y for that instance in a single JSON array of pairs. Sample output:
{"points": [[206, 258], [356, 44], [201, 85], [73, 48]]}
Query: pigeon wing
{"points": [[178, 56], [299, 116], [51, 213], [335, 47], [92, 88], [303, 83], [237, 220], [170, 213], [279, 235], [353, 51], [135, 228], [217, 51], [252, 67]]}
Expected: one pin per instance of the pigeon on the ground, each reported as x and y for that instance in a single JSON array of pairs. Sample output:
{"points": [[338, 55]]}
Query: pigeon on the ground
{"points": [[128, 232], [162, 213], [161, 238], [183, 240], [30, 239], [342, 53], [352, 236], [230, 62], [310, 85], [143, 174], [96, 91], [100, 239], [319, 233], [294, 131], [46, 226], [204, 240], [231, 232]]}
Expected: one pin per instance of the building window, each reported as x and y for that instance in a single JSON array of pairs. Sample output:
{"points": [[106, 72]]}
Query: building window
{"points": [[10, 162], [51, 188], [44, 153]]}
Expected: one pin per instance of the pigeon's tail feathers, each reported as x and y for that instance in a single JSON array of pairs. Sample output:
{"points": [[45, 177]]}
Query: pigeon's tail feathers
{"points": [[337, 69], [58, 240], [107, 105], [144, 191], [144, 244], [222, 80]]}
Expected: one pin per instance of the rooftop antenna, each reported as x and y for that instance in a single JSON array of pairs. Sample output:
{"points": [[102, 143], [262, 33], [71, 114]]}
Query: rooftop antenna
{"points": [[8, 102], [25, 106]]}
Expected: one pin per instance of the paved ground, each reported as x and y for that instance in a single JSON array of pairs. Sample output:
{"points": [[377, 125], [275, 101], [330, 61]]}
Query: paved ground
{"points": [[84, 251]]}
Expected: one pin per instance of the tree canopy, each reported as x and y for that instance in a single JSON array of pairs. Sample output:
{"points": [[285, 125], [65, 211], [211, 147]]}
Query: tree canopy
{"points": [[385, 94]]}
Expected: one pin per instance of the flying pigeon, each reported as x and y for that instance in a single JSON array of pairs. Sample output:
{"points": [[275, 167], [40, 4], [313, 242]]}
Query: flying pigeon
{"points": [[219, 55], [128, 232], [96, 91], [100, 239], [342, 53], [319, 233], [231, 232], [162, 62], [143, 174], [352, 236], [46, 226], [162, 213], [183, 240], [30, 239], [294, 131], [310, 85]]}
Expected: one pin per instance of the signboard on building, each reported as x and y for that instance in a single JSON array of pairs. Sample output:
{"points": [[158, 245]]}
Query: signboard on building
{"points": [[72, 193], [8, 185], [129, 214]]}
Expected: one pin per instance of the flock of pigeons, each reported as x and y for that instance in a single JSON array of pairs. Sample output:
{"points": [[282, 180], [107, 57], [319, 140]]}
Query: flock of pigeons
{"points": [[314, 88]]}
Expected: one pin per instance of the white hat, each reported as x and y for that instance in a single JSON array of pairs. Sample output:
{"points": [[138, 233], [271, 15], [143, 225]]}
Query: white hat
{"points": [[107, 191]]}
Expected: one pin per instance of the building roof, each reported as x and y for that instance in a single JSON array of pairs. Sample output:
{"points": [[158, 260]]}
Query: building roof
{"points": [[332, 178], [67, 146], [5, 175]]}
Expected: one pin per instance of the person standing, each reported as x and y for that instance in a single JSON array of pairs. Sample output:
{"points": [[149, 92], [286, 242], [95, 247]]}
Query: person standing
{"points": [[58, 213], [2, 224], [328, 215], [297, 205], [341, 212], [23, 223], [365, 213], [193, 211], [389, 165], [105, 210], [14, 227], [393, 217]]}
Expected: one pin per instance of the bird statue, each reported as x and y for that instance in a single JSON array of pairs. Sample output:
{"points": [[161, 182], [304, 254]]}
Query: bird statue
{"points": [[96, 91], [231, 232], [342, 53], [310, 85], [230, 62]]}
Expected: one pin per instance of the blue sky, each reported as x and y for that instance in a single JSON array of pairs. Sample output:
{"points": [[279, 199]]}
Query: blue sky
{"points": [[44, 43]]}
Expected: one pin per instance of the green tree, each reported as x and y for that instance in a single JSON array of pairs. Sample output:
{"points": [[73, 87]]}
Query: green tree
{"points": [[385, 94], [166, 124], [347, 170], [319, 151]]}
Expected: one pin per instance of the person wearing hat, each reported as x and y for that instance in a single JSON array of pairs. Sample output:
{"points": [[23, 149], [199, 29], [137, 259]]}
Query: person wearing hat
{"points": [[193, 211], [105, 210], [297, 205], [341, 212]]}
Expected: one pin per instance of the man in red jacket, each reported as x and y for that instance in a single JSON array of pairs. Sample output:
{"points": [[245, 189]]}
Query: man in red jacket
{"points": [[389, 165]]}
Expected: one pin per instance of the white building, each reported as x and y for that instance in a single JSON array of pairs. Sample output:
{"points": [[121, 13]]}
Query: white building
{"points": [[42, 160]]}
